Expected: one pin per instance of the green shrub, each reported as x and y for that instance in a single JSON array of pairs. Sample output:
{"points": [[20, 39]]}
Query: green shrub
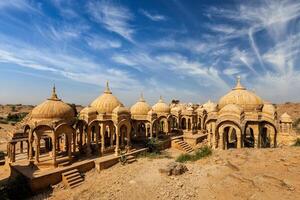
{"points": [[296, 125], [16, 117], [297, 142], [154, 145], [197, 155], [184, 158], [154, 155]]}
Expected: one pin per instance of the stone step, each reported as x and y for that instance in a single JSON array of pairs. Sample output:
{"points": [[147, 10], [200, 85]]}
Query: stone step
{"points": [[71, 180], [75, 182], [131, 159], [185, 146], [76, 185], [70, 172], [68, 177]]}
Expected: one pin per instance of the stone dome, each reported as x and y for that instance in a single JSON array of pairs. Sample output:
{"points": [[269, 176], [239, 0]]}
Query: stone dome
{"points": [[106, 103], [239, 95], [141, 107], [120, 109], [232, 108], [53, 109], [269, 108], [88, 110], [210, 106], [161, 107], [176, 109], [286, 118]]}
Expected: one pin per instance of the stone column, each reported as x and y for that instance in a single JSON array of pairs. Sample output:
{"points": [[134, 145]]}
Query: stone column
{"points": [[27, 149], [69, 141], [21, 147], [146, 126], [88, 142], [97, 131], [151, 131], [37, 153], [74, 141], [54, 150], [128, 139], [256, 132], [8, 150], [14, 152], [102, 138], [30, 150], [239, 139], [117, 141]]}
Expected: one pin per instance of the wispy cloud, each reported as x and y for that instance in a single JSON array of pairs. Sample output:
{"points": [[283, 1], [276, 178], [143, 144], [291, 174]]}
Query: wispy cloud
{"points": [[113, 17], [23, 5], [101, 43], [152, 16]]}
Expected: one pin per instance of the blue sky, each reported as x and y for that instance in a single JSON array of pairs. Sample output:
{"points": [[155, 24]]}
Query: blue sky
{"points": [[187, 50]]}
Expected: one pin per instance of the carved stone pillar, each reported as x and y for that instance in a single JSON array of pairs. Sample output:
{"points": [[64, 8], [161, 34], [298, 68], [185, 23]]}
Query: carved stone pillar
{"points": [[54, 140], [117, 141], [37, 153], [102, 138]]}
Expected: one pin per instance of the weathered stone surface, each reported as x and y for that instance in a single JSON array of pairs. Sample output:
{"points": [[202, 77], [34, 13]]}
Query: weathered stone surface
{"points": [[174, 168]]}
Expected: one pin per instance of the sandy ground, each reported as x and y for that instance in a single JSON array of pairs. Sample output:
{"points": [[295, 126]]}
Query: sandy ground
{"points": [[233, 174]]}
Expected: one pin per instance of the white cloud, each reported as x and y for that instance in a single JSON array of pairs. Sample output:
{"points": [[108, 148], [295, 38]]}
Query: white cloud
{"points": [[222, 28], [69, 65], [23, 5], [115, 18], [153, 17], [101, 43]]}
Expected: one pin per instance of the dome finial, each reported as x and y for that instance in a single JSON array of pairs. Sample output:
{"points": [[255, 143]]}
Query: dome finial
{"points": [[54, 95], [107, 89], [238, 84], [160, 99], [142, 97]]}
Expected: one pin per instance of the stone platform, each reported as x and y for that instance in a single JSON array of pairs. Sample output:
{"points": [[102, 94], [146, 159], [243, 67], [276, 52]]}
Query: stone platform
{"points": [[41, 177]]}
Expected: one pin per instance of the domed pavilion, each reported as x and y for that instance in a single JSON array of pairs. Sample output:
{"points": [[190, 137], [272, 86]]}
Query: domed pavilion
{"points": [[242, 119], [48, 131]]}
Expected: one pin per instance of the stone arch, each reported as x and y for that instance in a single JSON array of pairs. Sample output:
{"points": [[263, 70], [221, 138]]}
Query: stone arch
{"points": [[268, 135], [35, 137], [249, 138], [183, 123], [230, 135], [123, 133]]}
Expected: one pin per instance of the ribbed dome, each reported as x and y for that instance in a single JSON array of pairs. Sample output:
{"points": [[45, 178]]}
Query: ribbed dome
{"points": [[269, 108], [176, 109], [286, 118], [106, 103], [210, 106], [141, 107], [242, 97], [161, 107], [88, 110], [120, 109], [54, 109], [232, 108]]}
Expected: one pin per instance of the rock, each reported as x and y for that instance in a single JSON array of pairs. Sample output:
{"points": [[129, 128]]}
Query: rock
{"points": [[286, 183], [173, 168]]}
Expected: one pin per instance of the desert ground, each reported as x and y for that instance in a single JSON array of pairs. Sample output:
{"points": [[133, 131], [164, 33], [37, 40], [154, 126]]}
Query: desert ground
{"points": [[234, 174]]}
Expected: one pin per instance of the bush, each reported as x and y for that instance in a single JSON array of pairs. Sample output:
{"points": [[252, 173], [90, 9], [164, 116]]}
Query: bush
{"points": [[296, 125], [197, 155], [153, 145], [16, 117], [297, 142]]}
